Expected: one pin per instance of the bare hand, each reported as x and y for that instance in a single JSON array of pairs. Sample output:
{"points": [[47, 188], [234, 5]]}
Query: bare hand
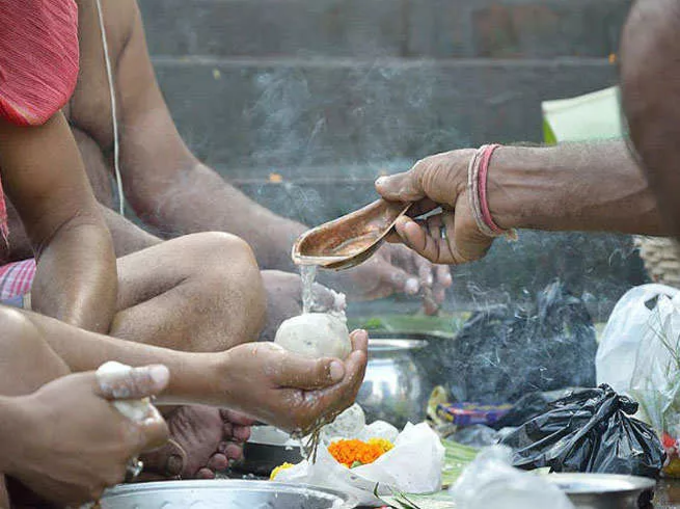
{"points": [[396, 269], [284, 299], [452, 236], [71, 442], [289, 391]]}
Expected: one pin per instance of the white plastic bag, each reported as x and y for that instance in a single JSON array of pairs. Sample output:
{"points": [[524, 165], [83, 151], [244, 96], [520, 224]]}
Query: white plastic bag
{"points": [[640, 356], [490, 482], [414, 465], [621, 339]]}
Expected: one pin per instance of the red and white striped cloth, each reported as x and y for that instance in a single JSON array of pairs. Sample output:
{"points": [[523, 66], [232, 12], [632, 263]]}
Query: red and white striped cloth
{"points": [[38, 58], [16, 279]]}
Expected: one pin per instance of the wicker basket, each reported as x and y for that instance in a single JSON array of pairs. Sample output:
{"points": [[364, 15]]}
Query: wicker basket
{"points": [[661, 257]]}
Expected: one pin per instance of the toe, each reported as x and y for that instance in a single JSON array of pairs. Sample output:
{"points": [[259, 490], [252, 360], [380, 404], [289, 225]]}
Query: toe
{"points": [[231, 450], [205, 473], [218, 462]]}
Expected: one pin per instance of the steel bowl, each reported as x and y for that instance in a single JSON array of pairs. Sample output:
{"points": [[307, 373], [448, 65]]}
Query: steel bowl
{"points": [[224, 494], [394, 388], [605, 491]]}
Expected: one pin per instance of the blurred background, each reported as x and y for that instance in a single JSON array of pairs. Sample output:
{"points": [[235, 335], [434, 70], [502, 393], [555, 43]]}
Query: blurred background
{"points": [[302, 103]]}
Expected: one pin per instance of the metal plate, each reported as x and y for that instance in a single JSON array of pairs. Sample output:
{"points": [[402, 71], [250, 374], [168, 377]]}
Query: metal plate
{"points": [[600, 483], [605, 491], [384, 345], [224, 494]]}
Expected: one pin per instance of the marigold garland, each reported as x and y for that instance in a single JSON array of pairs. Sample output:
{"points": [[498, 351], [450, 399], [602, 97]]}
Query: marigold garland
{"points": [[353, 452]]}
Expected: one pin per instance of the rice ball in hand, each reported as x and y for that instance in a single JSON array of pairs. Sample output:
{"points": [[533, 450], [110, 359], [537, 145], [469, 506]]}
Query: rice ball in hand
{"points": [[315, 335]]}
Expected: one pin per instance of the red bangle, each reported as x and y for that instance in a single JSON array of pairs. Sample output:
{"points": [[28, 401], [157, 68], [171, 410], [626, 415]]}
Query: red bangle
{"points": [[486, 154]]}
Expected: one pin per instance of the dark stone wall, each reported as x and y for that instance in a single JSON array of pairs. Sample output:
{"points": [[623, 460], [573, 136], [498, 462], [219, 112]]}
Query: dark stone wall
{"points": [[330, 93]]}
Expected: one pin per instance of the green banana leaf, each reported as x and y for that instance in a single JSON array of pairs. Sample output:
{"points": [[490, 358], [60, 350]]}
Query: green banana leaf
{"points": [[594, 116]]}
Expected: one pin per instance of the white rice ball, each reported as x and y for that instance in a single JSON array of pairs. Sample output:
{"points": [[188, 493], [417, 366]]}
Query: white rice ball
{"points": [[315, 335]]}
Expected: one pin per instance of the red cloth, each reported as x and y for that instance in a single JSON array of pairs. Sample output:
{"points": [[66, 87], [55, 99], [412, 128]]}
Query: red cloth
{"points": [[38, 63], [16, 278], [38, 58]]}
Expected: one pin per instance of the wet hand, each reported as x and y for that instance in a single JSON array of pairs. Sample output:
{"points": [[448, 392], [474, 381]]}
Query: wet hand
{"points": [[73, 443], [451, 236], [289, 391]]}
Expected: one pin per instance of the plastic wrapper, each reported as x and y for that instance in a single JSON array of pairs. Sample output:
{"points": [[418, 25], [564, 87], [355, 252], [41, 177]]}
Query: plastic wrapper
{"points": [[629, 325], [590, 431], [490, 482], [640, 355], [414, 465], [476, 436]]}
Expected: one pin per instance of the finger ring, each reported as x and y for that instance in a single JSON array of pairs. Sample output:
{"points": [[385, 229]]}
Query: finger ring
{"points": [[442, 232], [133, 469]]}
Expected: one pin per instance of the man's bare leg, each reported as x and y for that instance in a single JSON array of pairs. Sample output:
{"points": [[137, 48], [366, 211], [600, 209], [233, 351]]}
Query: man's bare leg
{"points": [[198, 293]]}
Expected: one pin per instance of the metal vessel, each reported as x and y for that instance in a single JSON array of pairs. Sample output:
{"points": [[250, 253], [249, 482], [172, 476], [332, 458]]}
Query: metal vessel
{"points": [[223, 494], [605, 491], [394, 388]]}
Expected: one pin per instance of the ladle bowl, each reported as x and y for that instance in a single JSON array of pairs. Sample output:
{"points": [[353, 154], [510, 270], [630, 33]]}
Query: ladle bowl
{"points": [[349, 240]]}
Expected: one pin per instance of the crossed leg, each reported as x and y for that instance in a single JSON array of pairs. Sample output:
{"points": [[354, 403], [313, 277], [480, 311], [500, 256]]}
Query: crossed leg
{"points": [[197, 293]]}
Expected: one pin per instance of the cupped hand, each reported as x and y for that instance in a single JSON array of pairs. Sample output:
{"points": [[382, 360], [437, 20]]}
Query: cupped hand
{"points": [[72, 443], [287, 390], [450, 237], [284, 299]]}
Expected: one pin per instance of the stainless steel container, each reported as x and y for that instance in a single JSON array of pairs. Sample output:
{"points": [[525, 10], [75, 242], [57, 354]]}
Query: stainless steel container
{"points": [[605, 491], [223, 494], [394, 388]]}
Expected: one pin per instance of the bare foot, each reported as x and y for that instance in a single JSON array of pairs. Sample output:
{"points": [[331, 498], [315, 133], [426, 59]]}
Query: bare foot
{"points": [[203, 441], [236, 432], [195, 435]]}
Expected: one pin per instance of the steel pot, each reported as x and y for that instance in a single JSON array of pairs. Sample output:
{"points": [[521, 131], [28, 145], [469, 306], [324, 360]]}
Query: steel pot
{"points": [[394, 388]]}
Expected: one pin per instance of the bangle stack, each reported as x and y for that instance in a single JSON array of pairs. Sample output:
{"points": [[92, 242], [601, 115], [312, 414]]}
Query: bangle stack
{"points": [[478, 171]]}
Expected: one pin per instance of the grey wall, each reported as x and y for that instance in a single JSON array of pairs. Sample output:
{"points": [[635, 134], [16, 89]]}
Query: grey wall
{"points": [[329, 93]]}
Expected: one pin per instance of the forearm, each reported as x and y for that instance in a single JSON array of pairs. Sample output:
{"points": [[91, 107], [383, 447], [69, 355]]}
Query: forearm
{"points": [[76, 280], [10, 431], [585, 187], [211, 204], [194, 377], [127, 237]]}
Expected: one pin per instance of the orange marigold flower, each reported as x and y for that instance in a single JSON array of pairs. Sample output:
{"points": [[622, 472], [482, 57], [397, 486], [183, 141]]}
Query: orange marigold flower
{"points": [[350, 452]]}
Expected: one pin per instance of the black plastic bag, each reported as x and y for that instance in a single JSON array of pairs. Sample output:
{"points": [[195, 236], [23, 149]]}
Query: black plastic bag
{"points": [[589, 431], [530, 406], [507, 352]]}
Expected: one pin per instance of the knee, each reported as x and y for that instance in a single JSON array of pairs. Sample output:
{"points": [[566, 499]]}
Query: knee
{"points": [[26, 360], [232, 276], [18, 334]]}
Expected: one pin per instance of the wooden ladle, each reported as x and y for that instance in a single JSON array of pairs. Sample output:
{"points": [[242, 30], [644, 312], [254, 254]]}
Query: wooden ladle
{"points": [[349, 240]]}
